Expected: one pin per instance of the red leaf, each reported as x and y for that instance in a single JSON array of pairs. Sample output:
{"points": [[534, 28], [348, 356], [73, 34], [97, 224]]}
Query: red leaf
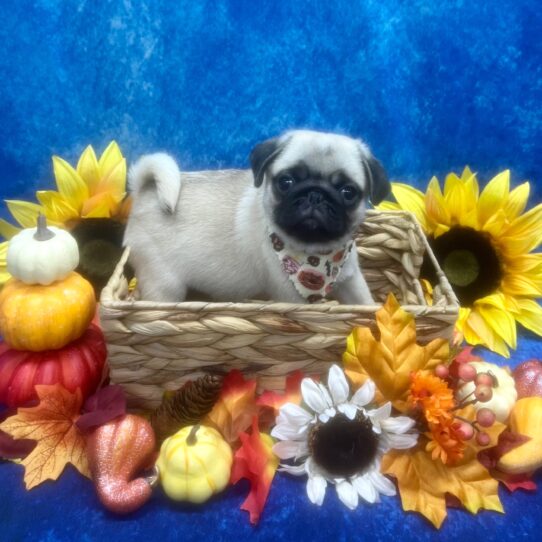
{"points": [[235, 408], [105, 405], [256, 462], [466, 355], [11, 448], [292, 393], [518, 481]]}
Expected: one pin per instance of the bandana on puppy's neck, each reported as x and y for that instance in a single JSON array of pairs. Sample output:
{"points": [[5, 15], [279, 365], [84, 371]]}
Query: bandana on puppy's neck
{"points": [[313, 275]]}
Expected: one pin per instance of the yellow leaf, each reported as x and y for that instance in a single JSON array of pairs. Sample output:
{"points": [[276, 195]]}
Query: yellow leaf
{"points": [[52, 425], [390, 360], [423, 484], [24, 212]]}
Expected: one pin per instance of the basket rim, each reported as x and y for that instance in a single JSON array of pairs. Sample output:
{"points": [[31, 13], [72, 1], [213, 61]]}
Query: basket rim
{"points": [[108, 301]]}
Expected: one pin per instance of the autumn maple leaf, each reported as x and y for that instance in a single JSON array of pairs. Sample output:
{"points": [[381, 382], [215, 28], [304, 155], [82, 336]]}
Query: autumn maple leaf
{"points": [[233, 412], [390, 359], [424, 482], [256, 462], [52, 425]]}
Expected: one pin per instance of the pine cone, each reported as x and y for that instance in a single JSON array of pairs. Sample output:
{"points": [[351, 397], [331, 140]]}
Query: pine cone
{"points": [[187, 406]]}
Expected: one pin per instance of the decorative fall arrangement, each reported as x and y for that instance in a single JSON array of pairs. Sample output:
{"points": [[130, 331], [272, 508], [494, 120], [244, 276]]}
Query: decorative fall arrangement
{"points": [[432, 422]]}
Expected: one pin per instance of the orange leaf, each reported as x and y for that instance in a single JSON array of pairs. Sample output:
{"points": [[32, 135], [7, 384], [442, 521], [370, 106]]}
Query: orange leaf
{"points": [[256, 462], [292, 393], [424, 482], [390, 360], [233, 412], [52, 425]]}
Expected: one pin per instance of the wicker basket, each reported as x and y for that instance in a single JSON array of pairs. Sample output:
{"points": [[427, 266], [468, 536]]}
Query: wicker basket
{"points": [[155, 347]]}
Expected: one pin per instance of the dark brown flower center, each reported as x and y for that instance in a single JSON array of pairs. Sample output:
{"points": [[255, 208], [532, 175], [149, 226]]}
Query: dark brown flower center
{"points": [[344, 447], [100, 248], [469, 261]]}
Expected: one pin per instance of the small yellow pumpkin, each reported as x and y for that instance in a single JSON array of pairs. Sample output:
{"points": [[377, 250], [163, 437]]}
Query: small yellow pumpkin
{"points": [[42, 255], [36, 318], [194, 464], [504, 393], [526, 419]]}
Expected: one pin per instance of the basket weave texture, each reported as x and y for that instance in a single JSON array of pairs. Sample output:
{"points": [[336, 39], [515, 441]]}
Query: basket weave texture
{"points": [[155, 347]]}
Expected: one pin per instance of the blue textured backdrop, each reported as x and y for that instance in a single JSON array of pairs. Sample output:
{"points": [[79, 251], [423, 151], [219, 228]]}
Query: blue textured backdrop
{"points": [[430, 85]]}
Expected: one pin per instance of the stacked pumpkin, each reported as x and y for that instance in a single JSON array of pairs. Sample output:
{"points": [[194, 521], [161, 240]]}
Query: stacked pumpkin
{"points": [[46, 311]]}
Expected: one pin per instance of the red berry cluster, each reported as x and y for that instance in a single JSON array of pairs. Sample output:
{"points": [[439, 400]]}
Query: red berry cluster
{"points": [[483, 392]]}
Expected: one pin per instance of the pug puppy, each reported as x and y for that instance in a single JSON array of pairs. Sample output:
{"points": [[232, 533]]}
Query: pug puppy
{"points": [[282, 230]]}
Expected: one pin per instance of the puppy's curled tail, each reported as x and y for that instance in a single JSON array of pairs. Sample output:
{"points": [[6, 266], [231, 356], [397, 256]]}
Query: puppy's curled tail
{"points": [[160, 170]]}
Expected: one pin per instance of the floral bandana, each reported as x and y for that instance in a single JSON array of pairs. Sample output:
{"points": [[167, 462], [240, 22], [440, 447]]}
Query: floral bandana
{"points": [[313, 275]]}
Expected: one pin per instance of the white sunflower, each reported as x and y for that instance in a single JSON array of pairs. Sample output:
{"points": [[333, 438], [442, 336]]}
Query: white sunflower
{"points": [[340, 440]]}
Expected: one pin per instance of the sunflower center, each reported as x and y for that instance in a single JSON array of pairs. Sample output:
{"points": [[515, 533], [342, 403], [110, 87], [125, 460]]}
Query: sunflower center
{"points": [[461, 267], [344, 447], [469, 261], [100, 248]]}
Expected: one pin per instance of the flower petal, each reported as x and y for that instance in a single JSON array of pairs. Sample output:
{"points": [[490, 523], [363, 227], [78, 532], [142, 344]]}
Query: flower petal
{"points": [[24, 212], [500, 321], [286, 431], [109, 159], [411, 200], [69, 183], [365, 394], [316, 489], [349, 410], [88, 169], [435, 205], [338, 385], [315, 395], [295, 415], [382, 484], [530, 315], [55, 207], [347, 494], [296, 470], [493, 196], [7, 230], [379, 414], [517, 200], [288, 449], [397, 424], [401, 442], [365, 488]]}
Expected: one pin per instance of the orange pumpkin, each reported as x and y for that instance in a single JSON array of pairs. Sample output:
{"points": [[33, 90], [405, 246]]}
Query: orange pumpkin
{"points": [[78, 365], [36, 318]]}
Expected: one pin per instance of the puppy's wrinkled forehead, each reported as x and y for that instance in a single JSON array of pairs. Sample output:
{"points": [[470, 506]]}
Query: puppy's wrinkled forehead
{"points": [[323, 153]]}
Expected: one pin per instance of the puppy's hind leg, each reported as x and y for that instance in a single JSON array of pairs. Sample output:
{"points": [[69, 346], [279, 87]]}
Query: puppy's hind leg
{"points": [[155, 285]]}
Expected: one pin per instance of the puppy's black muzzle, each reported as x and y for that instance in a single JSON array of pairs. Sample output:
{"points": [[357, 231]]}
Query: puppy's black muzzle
{"points": [[312, 213]]}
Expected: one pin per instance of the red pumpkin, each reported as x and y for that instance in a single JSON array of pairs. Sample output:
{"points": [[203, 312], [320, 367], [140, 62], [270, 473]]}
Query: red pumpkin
{"points": [[79, 364]]}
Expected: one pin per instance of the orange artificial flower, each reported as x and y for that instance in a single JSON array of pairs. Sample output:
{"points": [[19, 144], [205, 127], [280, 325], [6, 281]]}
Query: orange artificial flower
{"points": [[445, 442], [432, 394]]}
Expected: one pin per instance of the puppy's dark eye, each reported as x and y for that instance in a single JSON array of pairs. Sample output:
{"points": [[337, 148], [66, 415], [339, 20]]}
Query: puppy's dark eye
{"points": [[285, 182], [349, 193]]}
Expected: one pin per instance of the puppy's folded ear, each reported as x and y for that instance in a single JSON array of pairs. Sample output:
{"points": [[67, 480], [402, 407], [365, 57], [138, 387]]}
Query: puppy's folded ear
{"points": [[379, 185], [262, 157]]}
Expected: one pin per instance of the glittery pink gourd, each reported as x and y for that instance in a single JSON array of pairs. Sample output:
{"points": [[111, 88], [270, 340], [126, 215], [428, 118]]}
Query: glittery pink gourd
{"points": [[118, 451], [528, 378]]}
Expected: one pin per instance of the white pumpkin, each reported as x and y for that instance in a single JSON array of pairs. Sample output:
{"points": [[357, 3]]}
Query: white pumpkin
{"points": [[504, 394], [42, 255]]}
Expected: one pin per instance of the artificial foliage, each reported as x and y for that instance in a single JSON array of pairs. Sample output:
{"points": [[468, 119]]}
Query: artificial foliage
{"points": [[52, 425], [484, 241], [187, 406]]}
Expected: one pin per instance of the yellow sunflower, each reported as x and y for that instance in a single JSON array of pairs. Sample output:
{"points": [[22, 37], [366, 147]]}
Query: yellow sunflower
{"points": [[484, 243], [90, 201]]}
